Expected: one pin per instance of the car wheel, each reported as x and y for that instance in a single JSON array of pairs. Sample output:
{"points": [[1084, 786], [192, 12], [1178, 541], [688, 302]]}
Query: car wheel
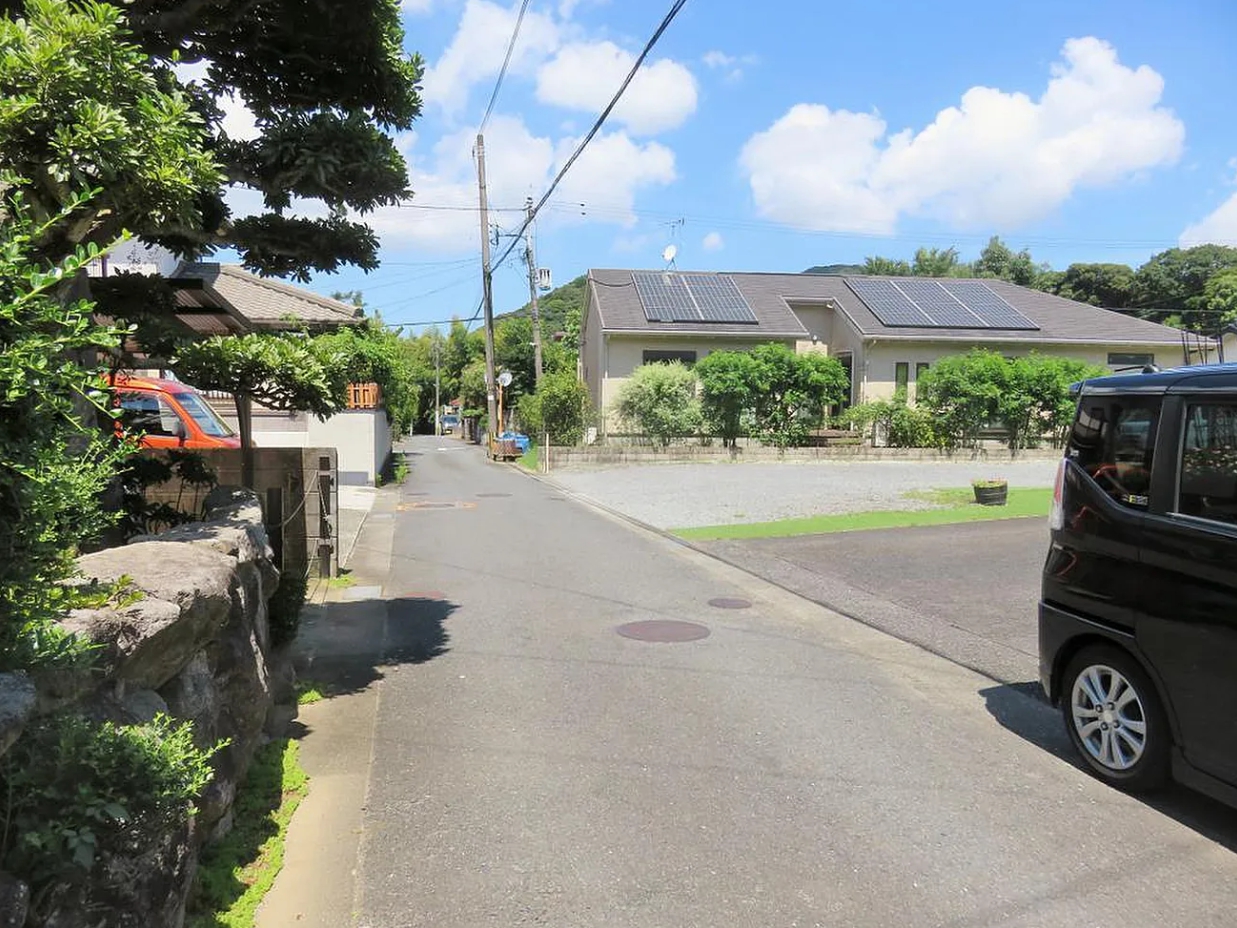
{"points": [[1114, 717]]}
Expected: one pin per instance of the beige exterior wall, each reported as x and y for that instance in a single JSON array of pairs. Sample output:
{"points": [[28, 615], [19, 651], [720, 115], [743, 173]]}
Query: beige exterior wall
{"points": [[818, 320], [882, 358]]}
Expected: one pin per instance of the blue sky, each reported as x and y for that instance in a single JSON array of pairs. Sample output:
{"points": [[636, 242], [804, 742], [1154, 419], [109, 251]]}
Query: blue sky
{"points": [[774, 136]]}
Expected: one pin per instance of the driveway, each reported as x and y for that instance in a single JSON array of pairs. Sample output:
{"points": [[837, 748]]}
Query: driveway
{"points": [[967, 592], [685, 495]]}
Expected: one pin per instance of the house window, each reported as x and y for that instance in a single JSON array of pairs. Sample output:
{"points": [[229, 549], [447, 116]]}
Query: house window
{"points": [[901, 376], [920, 368], [1130, 359], [669, 357]]}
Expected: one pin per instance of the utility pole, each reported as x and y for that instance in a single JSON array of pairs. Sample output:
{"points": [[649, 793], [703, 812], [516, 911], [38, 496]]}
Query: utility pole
{"points": [[488, 299], [437, 384], [532, 288]]}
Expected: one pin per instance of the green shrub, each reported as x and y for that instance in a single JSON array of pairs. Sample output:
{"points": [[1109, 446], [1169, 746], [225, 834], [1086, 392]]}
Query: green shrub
{"points": [[901, 425], [564, 402], [70, 789], [659, 400]]}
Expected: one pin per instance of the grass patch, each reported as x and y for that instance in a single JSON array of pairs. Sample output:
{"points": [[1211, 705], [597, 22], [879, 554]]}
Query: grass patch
{"points": [[530, 459], [235, 874], [341, 582], [308, 692], [956, 505]]}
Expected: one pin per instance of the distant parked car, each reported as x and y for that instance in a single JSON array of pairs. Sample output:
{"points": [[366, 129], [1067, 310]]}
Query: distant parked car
{"points": [[1138, 613], [522, 441], [450, 422], [168, 414]]}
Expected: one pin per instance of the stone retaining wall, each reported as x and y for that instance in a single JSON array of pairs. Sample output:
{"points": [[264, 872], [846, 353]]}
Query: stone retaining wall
{"points": [[195, 646], [614, 455]]}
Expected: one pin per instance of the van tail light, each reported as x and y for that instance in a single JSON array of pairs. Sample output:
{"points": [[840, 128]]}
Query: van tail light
{"points": [[1056, 515]]}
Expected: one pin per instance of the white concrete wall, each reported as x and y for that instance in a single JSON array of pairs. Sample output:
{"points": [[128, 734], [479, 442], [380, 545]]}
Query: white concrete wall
{"points": [[361, 437]]}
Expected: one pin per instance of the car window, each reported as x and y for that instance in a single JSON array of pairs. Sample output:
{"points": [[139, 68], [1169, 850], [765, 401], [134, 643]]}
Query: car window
{"points": [[1208, 481], [207, 419], [146, 414], [1113, 440]]}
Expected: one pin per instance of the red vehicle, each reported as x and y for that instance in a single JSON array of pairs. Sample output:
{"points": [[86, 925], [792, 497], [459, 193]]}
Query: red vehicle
{"points": [[169, 414]]}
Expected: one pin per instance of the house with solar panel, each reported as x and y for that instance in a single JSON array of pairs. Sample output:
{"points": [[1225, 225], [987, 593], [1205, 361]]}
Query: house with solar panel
{"points": [[884, 330]]}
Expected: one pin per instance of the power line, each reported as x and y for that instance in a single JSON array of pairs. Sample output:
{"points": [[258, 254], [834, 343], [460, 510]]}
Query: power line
{"points": [[503, 72], [605, 114]]}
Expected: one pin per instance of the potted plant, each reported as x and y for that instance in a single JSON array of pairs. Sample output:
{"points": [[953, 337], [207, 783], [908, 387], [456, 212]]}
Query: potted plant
{"points": [[990, 492]]}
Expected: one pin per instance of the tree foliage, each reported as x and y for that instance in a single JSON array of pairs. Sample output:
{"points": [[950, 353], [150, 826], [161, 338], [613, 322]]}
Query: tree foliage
{"points": [[371, 354], [1220, 293], [53, 468], [728, 380], [791, 392], [1000, 261], [1027, 396], [560, 407], [96, 97], [1107, 285], [1173, 282], [659, 401]]}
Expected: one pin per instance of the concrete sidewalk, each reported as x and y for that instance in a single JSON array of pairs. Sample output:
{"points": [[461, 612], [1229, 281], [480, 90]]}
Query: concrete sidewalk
{"points": [[339, 648]]}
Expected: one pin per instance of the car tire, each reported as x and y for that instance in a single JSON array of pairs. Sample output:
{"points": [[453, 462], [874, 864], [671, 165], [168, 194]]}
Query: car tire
{"points": [[1115, 719]]}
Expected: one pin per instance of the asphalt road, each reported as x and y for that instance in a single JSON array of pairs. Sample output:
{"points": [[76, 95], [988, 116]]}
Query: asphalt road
{"points": [[967, 592], [527, 765]]}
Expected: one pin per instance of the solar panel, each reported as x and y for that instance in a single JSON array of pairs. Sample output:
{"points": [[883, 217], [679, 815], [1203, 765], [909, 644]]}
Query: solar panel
{"points": [[889, 304], [939, 304], [718, 299], [674, 297], [665, 297], [995, 312]]}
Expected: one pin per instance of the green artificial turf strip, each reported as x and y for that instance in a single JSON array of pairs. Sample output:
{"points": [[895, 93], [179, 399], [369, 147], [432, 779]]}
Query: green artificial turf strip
{"points": [[957, 506]]}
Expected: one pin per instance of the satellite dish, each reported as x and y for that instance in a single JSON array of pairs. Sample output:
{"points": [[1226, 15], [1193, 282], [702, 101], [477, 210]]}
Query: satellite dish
{"points": [[669, 254], [504, 379]]}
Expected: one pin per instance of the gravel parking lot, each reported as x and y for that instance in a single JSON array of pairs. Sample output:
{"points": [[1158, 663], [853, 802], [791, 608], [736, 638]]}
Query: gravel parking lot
{"points": [[687, 495]]}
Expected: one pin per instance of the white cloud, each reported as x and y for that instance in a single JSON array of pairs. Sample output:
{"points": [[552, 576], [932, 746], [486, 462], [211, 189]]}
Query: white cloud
{"points": [[716, 60], [476, 52], [416, 6], [1219, 228], [995, 159], [713, 242], [612, 170], [518, 165], [585, 75]]}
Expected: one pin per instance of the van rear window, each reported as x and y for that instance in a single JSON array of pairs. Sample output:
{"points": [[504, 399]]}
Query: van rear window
{"points": [[1113, 440]]}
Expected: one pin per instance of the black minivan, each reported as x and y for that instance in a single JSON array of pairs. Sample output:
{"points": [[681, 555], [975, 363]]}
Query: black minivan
{"points": [[1138, 614]]}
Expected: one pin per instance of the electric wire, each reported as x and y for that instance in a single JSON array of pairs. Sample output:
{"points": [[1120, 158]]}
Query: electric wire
{"points": [[605, 114], [515, 33]]}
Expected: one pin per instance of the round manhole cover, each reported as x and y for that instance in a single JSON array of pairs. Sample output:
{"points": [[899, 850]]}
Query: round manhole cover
{"points": [[729, 602], [493, 495], [434, 505], [424, 594], [417, 494], [663, 630]]}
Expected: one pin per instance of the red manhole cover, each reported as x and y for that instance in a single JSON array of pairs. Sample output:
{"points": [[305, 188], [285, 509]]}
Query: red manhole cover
{"points": [[729, 602], [664, 630]]}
